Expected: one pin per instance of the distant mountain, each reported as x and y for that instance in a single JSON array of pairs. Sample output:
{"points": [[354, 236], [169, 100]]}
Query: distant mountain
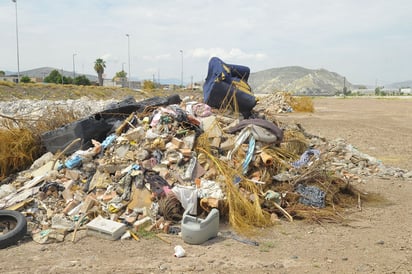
{"points": [[404, 84], [44, 71], [298, 80], [6, 72], [170, 81]]}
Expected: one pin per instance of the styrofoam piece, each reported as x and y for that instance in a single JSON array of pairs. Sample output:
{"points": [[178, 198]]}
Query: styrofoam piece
{"points": [[105, 228]]}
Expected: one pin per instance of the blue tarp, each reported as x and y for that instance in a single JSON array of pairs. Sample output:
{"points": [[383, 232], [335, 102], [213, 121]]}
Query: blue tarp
{"points": [[226, 84]]}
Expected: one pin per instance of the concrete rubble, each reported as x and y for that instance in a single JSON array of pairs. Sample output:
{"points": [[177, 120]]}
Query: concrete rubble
{"points": [[35, 108], [145, 175], [278, 101]]}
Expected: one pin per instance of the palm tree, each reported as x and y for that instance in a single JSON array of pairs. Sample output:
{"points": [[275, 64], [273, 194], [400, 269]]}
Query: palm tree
{"points": [[99, 66]]}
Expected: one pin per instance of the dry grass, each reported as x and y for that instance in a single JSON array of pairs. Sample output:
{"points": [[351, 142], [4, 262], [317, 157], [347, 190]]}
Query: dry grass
{"points": [[39, 91], [243, 214], [299, 103], [20, 142], [294, 141], [7, 83], [18, 149], [302, 104]]}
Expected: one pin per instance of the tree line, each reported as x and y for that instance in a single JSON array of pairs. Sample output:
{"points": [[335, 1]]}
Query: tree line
{"points": [[58, 78]]}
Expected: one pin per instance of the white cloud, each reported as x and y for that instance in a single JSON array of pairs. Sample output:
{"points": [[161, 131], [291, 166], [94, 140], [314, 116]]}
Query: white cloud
{"points": [[232, 54], [160, 57], [107, 57]]}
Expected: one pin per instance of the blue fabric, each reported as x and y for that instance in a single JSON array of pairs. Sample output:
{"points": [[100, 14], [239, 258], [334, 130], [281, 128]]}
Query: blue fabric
{"points": [[74, 161], [218, 89], [249, 154], [109, 139], [238, 71], [311, 196], [305, 157]]}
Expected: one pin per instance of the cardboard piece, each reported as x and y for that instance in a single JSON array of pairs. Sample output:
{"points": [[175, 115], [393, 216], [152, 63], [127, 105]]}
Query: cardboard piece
{"points": [[43, 170], [140, 198]]}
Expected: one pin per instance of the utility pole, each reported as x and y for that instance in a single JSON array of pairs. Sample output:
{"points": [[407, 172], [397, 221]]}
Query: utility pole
{"points": [[17, 42], [74, 67], [123, 78], [128, 54], [181, 76], [344, 85]]}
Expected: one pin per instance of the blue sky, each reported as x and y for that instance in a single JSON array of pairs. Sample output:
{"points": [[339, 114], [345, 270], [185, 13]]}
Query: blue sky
{"points": [[367, 41]]}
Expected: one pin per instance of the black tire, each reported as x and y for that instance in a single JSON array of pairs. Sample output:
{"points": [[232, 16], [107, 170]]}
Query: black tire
{"points": [[18, 224]]}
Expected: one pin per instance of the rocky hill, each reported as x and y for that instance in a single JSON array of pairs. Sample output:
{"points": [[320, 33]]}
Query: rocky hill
{"points": [[298, 80], [404, 84]]}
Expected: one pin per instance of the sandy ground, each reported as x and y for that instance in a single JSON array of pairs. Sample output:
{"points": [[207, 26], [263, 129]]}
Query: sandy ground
{"points": [[376, 239]]}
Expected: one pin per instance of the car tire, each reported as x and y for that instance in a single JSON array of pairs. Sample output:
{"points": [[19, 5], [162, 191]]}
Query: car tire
{"points": [[18, 223]]}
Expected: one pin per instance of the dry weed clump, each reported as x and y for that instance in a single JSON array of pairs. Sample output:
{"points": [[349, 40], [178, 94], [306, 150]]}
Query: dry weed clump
{"points": [[300, 103], [242, 214], [294, 141], [7, 83], [20, 142], [18, 148]]}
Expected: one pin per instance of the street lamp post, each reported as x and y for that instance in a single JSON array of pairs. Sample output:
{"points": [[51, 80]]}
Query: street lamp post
{"points": [[181, 72], [17, 41], [74, 67], [123, 78], [128, 54]]}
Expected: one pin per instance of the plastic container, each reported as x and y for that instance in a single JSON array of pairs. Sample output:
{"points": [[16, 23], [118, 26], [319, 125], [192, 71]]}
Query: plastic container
{"points": [[179, 251], [196, 230]]}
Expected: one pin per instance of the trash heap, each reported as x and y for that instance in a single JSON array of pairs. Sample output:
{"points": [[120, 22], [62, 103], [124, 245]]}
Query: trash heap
{"points": [[161, 162], [280, 102]]}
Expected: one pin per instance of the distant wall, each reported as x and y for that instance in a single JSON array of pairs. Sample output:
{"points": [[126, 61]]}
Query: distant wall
{"points": [[13, 78]]}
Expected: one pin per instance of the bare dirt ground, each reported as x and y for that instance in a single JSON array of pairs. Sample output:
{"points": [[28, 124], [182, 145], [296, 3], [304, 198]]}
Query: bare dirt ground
{"points": [[376, 239]]}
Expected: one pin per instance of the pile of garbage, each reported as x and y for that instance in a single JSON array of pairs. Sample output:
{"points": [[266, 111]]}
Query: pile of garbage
{"points": [[180, 166], [280, 102], [159, 163]]}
